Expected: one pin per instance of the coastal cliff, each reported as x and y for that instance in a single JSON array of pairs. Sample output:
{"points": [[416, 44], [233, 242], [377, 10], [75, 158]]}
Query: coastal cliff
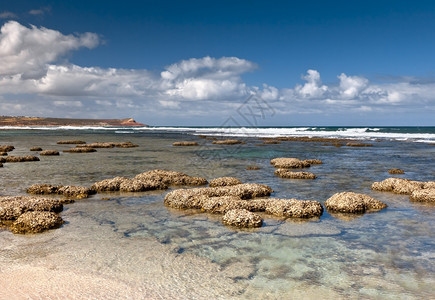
{"points": [[39, 121]]}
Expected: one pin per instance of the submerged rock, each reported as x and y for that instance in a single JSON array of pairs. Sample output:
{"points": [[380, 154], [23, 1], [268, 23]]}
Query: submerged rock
{"points": [[80, 150], [185, 143], [224, 181], [358, 145], [227, 142], [313, 161], [289, 163], [36, 222], [396, 171], [21, 158], [11, 207], [108, 145], [425, 195], [253, 168], [349, 202], [49, 152], [6, 148], [294, 208], [69, 191], [191, 198], [36, 149], [285, 173], [242, 218], [71, 142], [398, 185], [220, 205]]}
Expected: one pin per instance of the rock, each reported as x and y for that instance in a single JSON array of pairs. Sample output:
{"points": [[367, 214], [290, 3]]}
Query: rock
{"points": [[1, 165], [185, 144], [69, 191], [36, 149], [242, 218], [109, 185], [349, 202], [126, 145], [171, 178], [71, 142], [108, 145], [191, 198], [36, 222], [285, 173], [313, 161], [426, 195], [429, 185], [359, 145], [49, 152], [271, 142], [288, 163], [294, 208], [398, 185], [6, 148], [396, 171], [80, 150], [11, 207], [220, 205], [136, 185], [253, 168], [21, 158], [3, 154], [224, 181], [227, 142]]}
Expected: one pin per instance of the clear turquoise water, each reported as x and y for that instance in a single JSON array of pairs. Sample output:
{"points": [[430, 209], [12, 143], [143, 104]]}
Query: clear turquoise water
{"points": [[384, 255]]}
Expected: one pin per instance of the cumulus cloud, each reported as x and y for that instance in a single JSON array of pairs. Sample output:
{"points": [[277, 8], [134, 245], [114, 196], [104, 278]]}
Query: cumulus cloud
{"points": [[27, 51], [31, 75]]}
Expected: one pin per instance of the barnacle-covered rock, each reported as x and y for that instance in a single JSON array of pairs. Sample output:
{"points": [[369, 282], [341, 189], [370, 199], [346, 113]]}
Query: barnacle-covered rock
{"points": [[80, 150], [36, 221], [398, 185], [11, 207], [289, 163], [313, 161], [294, 208], [349, 202], [49, 152], [36, 149], [396, 171], [227, 142], [285, 173], [185, 143], [21, 158], [425, 195], [224, 181], [71, 142], [109, 185], [69, 191], [242, 218]]}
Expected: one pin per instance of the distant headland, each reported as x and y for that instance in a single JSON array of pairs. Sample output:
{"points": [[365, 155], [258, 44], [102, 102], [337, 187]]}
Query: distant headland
{"points": [[53, 122]]}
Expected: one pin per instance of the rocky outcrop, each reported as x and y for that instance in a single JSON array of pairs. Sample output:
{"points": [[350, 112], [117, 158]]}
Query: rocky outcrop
{"points": [[285, 173], [150, 180], [289, 163], [293, 208], [19, 158], [227, 142], [69, 191], [192, 198], [71, 142], [313, 161], [6, 148], [398, 185], [396, 171], [349, 202], [11, 207], [358, 145], [80, 150], [36, 149], [425, 195], [242, 218], [185, 143], [49, 152], [224, 181], [36, 222]]}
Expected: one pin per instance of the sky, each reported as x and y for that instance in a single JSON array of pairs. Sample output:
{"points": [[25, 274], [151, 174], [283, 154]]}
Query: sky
{"points": [[212, 63]]}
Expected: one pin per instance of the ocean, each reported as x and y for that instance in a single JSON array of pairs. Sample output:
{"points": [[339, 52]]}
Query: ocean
{"points": [[130, 246]]}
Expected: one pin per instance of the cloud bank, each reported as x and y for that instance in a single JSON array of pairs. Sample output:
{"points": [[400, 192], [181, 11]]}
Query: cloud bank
{"points": [[34, 72]]}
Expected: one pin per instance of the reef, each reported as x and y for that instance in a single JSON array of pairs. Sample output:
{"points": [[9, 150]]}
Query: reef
{"points": [[349, 202]]}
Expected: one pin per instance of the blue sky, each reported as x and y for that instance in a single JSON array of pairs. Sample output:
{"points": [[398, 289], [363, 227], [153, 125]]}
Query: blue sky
{"points": [[355, 63]]}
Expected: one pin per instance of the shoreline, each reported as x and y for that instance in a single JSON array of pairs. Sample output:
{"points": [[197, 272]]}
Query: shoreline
{"points": [[10, 121]]}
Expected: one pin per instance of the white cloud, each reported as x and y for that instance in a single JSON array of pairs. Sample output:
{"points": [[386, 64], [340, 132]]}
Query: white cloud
{"points": [[313, 88], [8, 15], [351, 86], [27, 51]]}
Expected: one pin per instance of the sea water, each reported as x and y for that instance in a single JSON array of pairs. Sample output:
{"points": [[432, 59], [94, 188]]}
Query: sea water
{"points": [[129, 245]]}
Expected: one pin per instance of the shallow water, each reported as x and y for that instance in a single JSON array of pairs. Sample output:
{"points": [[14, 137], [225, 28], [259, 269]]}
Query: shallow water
{"points": [[132, 246]]}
